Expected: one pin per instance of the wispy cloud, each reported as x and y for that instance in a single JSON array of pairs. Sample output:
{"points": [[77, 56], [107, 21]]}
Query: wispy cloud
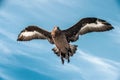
{"points": [[4, 76], [4, 48], [83, 66], [116, 35], [67, 3], [8, 34], [92, 68], [101, 68]]}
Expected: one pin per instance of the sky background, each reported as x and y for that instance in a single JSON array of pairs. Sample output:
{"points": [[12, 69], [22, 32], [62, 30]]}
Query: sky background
{"points": [[98, 54]]}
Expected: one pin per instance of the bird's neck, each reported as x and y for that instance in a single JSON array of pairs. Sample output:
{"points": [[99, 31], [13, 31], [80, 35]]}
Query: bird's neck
{"points": [[55, 33]]}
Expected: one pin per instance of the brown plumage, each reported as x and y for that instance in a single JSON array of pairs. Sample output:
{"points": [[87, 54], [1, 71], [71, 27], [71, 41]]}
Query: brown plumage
{"points": [[62, 38]]}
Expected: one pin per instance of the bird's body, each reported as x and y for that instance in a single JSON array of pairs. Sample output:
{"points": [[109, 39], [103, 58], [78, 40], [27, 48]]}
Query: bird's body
{"points": [[62, 38], [61, 42], [62, 48]]}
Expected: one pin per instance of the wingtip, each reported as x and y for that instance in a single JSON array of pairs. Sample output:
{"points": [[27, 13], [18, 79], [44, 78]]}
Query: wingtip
{"points": [[111, 27], [18, 39]]}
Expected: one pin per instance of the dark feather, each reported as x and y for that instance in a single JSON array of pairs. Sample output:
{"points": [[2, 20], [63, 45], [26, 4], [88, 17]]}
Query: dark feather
{"points": [[38, 33], [86, 25]]}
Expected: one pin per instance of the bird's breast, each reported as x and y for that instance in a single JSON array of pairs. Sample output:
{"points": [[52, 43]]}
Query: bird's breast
{"points": [[61, 41]]}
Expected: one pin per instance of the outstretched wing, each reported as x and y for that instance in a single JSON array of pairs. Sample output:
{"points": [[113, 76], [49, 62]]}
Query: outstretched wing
{"points": [[86, 25], [34, 32]]}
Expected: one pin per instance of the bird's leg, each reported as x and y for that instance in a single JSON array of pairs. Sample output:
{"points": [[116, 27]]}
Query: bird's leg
{"points": [[58, 53], [68, 57], [68, 54], [62, 60]]}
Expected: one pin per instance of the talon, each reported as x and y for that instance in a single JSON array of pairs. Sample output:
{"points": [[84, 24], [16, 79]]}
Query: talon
{"points": [[62, 60], [68, 60]]}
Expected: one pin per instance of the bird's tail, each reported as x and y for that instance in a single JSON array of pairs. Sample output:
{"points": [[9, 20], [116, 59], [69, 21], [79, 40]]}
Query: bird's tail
{"points": [[71, 52], [73, 49]]}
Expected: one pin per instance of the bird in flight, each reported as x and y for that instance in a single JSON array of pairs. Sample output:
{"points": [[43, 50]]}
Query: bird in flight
{"points": [[62, 38]]}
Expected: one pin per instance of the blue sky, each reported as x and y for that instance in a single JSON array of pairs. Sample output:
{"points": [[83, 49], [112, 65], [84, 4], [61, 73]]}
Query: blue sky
{"points": [[98, 54]]}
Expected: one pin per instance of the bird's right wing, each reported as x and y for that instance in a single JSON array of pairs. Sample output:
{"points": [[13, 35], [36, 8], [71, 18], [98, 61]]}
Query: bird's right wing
{"points": [[86, 25], [94, 25], [34, 32]]}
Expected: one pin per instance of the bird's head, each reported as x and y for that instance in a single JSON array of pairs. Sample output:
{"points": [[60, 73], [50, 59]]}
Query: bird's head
{"points": [[56, 28], [56, 31]]}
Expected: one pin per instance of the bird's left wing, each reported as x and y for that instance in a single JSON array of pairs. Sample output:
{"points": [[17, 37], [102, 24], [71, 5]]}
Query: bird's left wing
{"points": [[86, 25], [34, 32]]}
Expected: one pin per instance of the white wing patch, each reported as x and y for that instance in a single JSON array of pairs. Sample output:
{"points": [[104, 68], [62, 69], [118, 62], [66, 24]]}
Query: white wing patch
{"points": [[97, 24], [27, 34], [93, 25]]}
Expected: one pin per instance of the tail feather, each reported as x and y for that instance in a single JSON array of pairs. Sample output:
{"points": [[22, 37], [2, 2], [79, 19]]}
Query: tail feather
{"points": [[73, 49], [70, 52], [56, 51]]}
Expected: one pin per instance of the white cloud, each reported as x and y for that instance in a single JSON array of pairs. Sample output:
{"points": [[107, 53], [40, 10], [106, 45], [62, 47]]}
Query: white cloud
{"points": [[90, 67], [116, 35], [4, 77], [83, 64], [99, 68], [68, 3], [4, 48], [8, 34], [3, 74]]}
